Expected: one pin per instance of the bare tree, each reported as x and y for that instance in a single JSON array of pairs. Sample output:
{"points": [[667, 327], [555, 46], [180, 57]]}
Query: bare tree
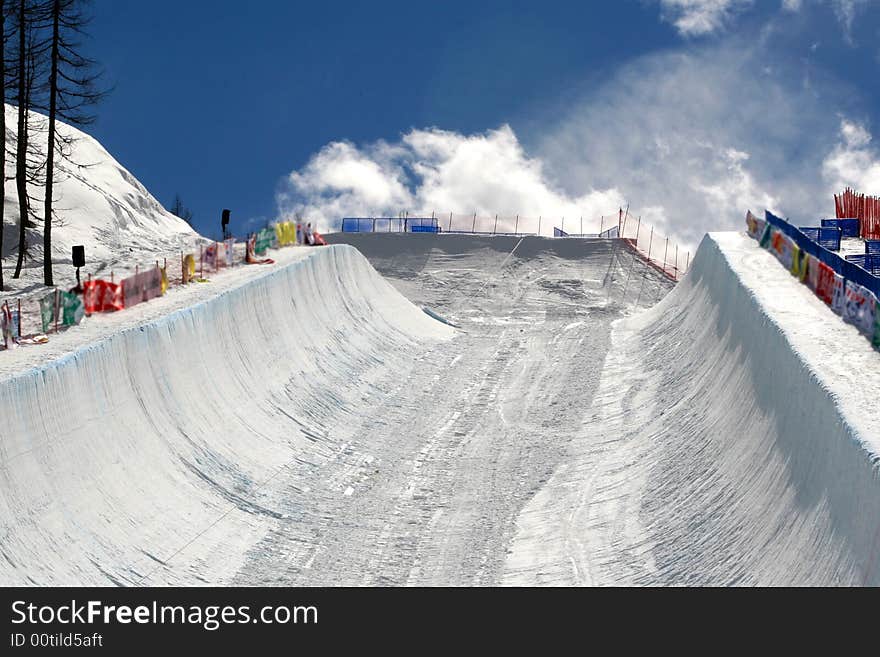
{"points": [[72, 89], [180, 210], [29, 19], [2, 131], [21, 139]]}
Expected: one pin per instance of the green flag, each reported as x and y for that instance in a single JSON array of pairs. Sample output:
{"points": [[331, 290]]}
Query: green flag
{"points": [[73, 309], [48, 311]]}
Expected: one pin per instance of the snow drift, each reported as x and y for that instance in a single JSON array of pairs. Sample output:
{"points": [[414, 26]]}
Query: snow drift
{"points": [[734, 440], [114, 458]]}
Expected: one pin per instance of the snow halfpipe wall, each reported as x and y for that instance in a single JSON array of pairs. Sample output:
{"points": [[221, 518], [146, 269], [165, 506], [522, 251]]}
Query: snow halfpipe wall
{"points": [[119, 461], [733, 441], [314, 426]]}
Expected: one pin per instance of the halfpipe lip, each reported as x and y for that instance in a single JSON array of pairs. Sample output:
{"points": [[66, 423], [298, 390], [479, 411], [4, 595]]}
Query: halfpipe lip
{"points": [[96, 330]]}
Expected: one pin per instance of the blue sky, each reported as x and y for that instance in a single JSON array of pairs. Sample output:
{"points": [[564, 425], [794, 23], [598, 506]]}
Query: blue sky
{"points": [[684, 108]]}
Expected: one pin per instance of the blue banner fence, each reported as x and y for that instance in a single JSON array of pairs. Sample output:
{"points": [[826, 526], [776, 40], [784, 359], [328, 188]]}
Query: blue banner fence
{"points": [[849, 270]]}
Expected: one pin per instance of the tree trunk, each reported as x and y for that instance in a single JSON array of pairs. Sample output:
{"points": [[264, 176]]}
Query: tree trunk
{"points": [[2, 132], [50, 152], [21, 141]]}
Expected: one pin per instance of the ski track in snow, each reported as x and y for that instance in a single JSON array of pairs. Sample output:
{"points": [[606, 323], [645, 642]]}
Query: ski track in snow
{"points": [[468, 434]]}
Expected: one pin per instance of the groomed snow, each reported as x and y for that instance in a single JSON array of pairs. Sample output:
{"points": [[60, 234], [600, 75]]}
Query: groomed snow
{"points": [[734, 440], [308, 423], [143, 456]]}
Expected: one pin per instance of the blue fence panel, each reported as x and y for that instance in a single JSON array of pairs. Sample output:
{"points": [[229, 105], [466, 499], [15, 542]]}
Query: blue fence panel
{"points": [[872, 246], [827, 237], [357, 225], [422, 225], [614, 231], [858, 259], [850, 227], [849, 270], [870, 262], [557, 232]]}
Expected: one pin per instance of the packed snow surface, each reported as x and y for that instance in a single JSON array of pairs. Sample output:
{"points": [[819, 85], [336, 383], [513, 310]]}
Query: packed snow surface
{"points": [[733, 440], [309, 423]]}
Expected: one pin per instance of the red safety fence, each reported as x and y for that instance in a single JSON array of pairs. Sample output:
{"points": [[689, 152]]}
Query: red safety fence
{"points": [[852, 205], [657, 249]]}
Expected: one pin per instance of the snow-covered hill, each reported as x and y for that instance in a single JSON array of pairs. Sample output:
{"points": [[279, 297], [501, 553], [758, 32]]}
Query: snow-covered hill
{"points": [[98, 203]]}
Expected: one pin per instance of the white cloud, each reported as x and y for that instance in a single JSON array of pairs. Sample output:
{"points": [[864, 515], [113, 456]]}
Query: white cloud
{"points": [[434, 171], [845, 10], [698, 17], [704, 135], [853, 162], [691, 141]]}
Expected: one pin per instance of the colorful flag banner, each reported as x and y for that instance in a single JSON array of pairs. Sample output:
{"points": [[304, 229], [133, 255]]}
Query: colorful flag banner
{"points": [[783, 248], [102, 296], [48, 310], [755, 225], [797, 260], [825, 283], [209, 257], [767, 236], [285, 233], [813, 273], [876, 339], [189, 267], [73, 309], [142, 287], [10, 326], [838, 298], [265, 240], [859, 308]]}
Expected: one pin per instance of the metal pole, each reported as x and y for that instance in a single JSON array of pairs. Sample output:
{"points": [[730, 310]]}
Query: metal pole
{"points": [[650, 242], [601, 226], [582, 226], [516, 226], [474, 227], [563, 225], [450, 222], [676, 262], [638, 228], [665, 253], [539, 224], [496, 225], [688, 265]]}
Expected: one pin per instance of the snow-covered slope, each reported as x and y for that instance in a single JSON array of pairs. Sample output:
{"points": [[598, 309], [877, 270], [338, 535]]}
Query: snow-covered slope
{"points": [[734, 440], [98, 203], [114, 457]]}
